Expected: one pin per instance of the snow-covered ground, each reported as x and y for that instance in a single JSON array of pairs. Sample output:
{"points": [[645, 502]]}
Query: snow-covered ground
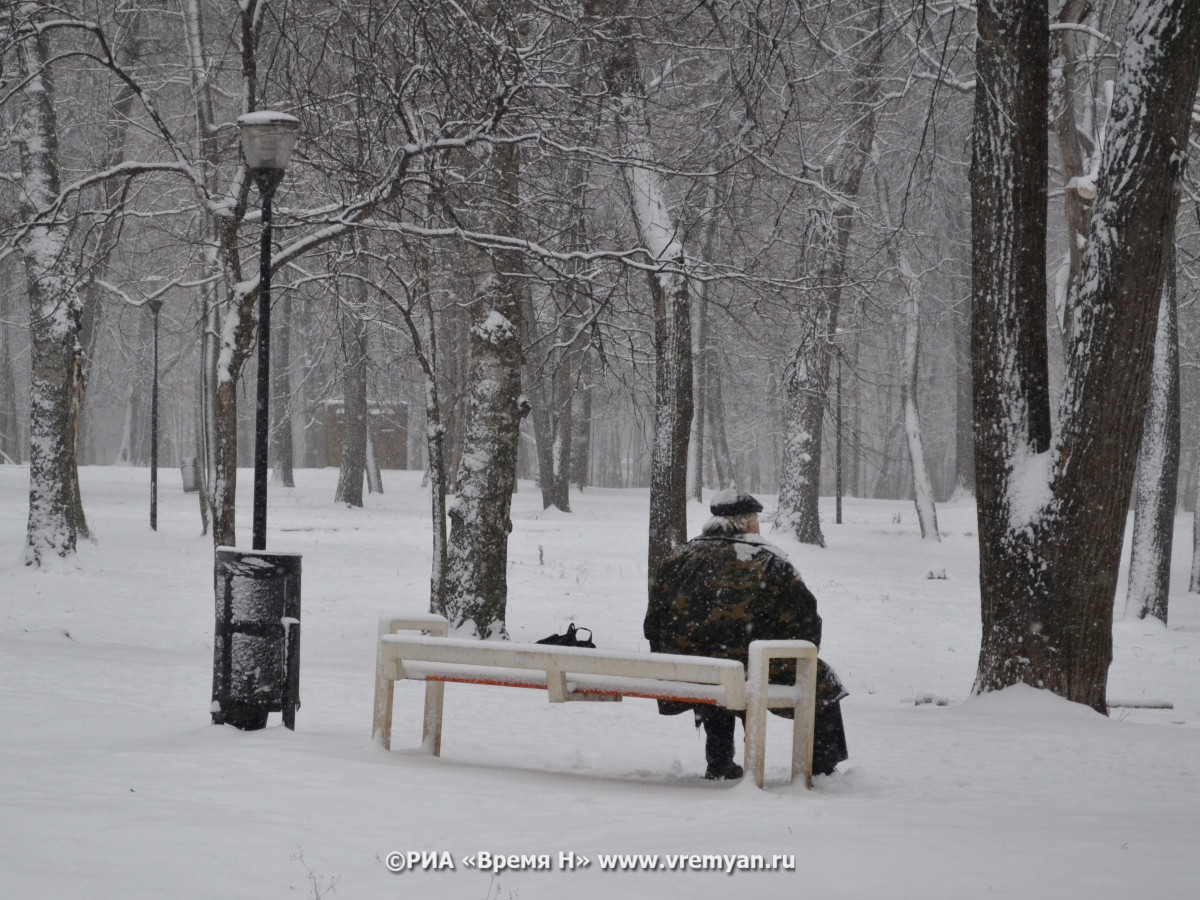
{"points": [[114, 784]]}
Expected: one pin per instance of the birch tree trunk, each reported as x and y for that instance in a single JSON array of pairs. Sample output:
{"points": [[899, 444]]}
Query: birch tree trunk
{"points": [[1076, 208], [1052, 512], [922, 489], [56, 519], [1157, 470]]}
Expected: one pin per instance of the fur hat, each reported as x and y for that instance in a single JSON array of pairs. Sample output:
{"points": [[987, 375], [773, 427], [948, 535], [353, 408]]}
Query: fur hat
{"points": [[734, 503]]}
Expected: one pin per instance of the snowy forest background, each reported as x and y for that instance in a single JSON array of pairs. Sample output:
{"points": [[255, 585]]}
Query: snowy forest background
{"points": [[713, 229]]}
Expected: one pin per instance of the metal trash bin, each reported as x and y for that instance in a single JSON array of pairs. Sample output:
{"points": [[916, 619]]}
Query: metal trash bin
{"points": [[187, 468], [256, 649]]}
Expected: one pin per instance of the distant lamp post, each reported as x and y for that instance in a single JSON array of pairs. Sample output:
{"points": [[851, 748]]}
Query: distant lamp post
{"points": [[268, 139], [155, 304], [837, 454]]}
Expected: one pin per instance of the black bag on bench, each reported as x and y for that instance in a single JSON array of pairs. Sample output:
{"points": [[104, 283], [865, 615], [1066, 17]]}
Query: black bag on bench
{"points": [[570, 639]]}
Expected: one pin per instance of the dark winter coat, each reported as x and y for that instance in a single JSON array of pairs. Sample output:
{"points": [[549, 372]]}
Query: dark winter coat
{"points": [[721, 591]]}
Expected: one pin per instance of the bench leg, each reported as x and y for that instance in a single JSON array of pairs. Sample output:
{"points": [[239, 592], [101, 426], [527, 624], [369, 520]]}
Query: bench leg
{"points": [[381, 724], [431, 733], [803, 709], [803, 722], [756, 722]]}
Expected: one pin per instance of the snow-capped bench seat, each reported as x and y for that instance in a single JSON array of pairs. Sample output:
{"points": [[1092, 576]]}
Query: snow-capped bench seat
{"points": [[584, 673]]}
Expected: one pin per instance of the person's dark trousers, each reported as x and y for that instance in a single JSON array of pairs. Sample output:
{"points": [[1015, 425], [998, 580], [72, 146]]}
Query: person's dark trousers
{"points": [[829, 739], [718, 725]]}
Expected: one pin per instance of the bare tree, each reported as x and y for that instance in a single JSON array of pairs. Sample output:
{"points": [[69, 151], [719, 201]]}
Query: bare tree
{"points": [[807, 375]]}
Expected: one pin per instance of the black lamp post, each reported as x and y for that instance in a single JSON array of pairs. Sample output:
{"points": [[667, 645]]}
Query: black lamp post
{"points": [[837, 454], [155, 304], [267, 142]]}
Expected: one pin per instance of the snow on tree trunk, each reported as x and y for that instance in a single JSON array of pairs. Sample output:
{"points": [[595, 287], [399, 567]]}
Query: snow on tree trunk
{"points": [[1157, 470], [806, 382], [922, 489], [476, 596], [1011, 390], [477, 586], [374, 476], [1052, 513], [672, 418], [807, 378], [56, 518], [564, 424], [659, 234], [1076, 208]]}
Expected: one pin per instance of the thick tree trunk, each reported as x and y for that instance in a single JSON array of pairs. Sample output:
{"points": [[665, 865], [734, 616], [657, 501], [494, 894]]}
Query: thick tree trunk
{"points": [[672, 418], [1008, 319], [1157, 470], [56, 519], [1052, 516], [477, 576]]}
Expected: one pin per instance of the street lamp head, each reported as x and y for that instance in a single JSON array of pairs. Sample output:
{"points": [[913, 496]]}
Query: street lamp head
{"points": [[268, 139]]}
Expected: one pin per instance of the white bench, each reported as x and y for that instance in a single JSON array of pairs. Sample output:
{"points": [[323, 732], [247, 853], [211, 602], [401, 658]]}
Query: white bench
{"points": [[582, 673]]}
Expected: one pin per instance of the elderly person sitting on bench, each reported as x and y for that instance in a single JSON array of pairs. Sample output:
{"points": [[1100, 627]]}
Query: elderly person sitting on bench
{"points": [[715, 595]]}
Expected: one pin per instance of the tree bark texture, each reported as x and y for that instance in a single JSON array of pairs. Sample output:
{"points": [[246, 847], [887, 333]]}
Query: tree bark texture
{"points": [[56, 519], [1052, 512], [668, 286], [477, 567], [1157, 476]]}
